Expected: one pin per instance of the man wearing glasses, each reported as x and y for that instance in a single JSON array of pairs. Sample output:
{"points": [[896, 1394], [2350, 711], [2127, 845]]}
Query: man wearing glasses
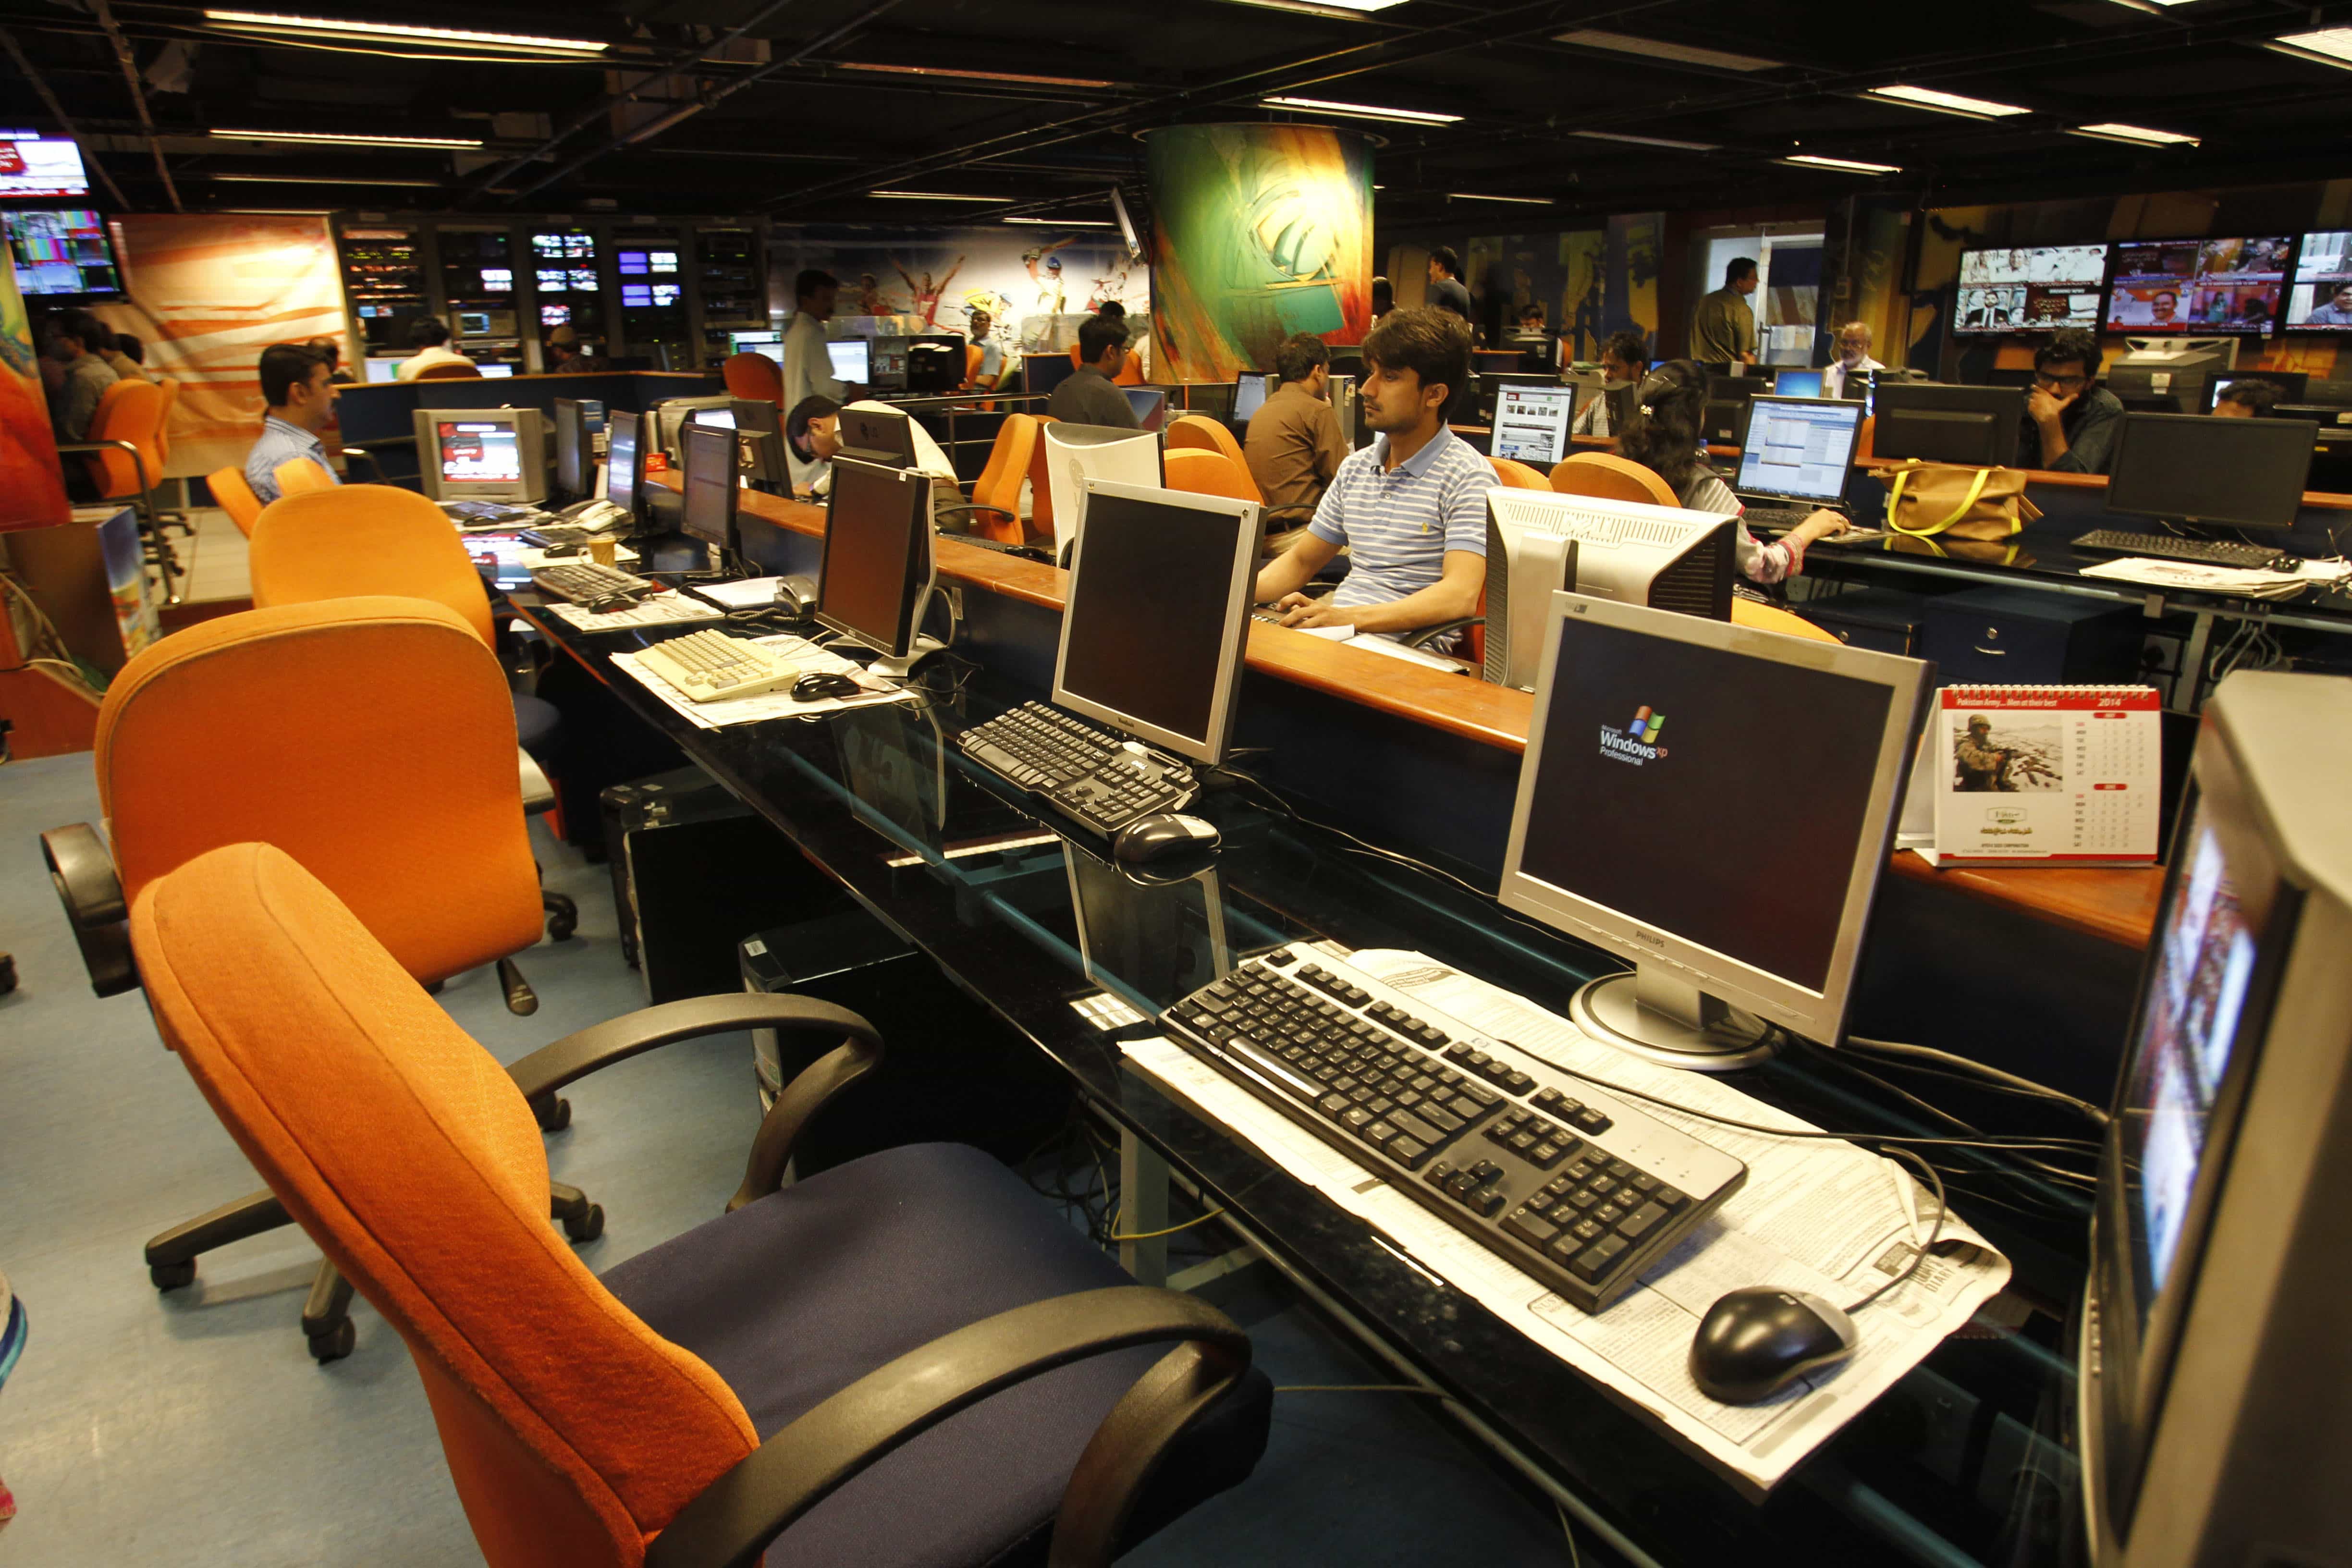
{"points": [[2070, 425]]}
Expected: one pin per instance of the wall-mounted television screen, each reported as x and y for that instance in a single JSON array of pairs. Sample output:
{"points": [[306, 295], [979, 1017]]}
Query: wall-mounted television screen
{"points": [[2200, 286], [62, 254], [37, 168], [2321, 298], [2033, 289]]}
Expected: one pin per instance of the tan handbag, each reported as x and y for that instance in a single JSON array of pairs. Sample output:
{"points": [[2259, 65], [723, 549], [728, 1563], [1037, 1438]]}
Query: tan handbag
{"points": [[1944, 499]]}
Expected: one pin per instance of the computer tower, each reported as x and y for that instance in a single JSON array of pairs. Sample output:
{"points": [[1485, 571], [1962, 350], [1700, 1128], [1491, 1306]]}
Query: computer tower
{"points": [[1885, 620], [2010, 636]]}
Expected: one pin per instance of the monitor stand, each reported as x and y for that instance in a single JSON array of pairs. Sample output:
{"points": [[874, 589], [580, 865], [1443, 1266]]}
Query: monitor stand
{"points": [[1667, 1020], [900, 668]]}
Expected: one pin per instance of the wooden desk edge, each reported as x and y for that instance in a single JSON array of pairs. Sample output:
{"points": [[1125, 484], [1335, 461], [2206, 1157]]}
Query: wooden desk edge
{"points": [[2113, 904]]}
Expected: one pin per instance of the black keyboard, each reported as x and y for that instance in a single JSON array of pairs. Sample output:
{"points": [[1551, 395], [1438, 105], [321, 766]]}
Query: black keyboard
{"points": [[1581, 1191], [586, 583], [2166, 547], [1087, 774], [1775, 517]]}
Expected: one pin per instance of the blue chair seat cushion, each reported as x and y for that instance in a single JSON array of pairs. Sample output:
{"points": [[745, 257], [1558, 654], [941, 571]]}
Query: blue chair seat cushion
{"points": [[794, 1296], [536, 723]]}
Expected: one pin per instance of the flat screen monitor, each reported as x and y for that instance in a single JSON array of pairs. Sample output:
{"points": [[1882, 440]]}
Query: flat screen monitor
{"points": [[493, 371], [2320, 299], [1251, 389], [1730, 936], [2223, 473], [62, 255], [1532, 420], [2293, 384], [1041, 374], [1797, 384], [575, 454], [760, 343], [881, 436], [1150, 406], [1157, 616], [1076, 453], [624, 459], [37, 168], [716, 418], [1538, 544], [759, 440], [2200, 286], [852, 361], [875, 577], [482, 454], [710, 490], [2211, 1398], [2030, 288], [1799, 449], [380, 371], [1941, 423]]}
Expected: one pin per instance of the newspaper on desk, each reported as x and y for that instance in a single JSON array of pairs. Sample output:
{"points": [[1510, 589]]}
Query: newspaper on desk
{"points": [[2196, 577], [1818, 1214], [657, 610], [777, 704]]}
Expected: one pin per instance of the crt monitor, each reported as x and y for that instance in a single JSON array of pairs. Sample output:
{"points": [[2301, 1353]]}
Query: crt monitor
{"points": [[852, 361], [1799, 448], [62, 255], [1532, 420], [482, 454], [1076, 453], [2198, 469], [1158, 616], [1150, 406], [875, 576], [625, 460], [1797, 384], [1940, 423], [708, 514], [575, 454], [2214, 1360], [759, 441], [1664, 557], [1731, 934], [1251, 389], [934, 364], [881, 436]]}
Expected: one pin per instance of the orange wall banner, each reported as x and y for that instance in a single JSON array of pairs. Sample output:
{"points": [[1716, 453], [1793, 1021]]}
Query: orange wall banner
{"points": [[206, 294]]}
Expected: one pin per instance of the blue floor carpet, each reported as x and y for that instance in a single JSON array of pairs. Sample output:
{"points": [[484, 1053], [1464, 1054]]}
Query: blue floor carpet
{"points": [[194, 1426]]}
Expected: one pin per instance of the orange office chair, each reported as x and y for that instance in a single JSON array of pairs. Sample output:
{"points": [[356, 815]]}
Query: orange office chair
{"points": [[170, 387], [123, 455], [1770, 619], [754, 377], [1131, 369], [907, 1358], [1611, 478], [448, 371], [235, 497], [1208, 474], [369, 738], [996, 494], [1041, 492], [300, 477], [1198, 432], [1512, 474]]}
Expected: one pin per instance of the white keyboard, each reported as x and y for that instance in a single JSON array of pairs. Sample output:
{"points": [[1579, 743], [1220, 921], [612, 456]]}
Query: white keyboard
{"points": [[711, 666]]}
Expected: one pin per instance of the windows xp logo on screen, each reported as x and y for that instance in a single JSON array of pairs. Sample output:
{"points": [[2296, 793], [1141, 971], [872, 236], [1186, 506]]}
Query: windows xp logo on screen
{"points": [[1636, 744]]}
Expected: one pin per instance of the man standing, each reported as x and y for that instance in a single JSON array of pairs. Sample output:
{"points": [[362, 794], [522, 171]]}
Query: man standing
{"points": [[75, 338], [1087, 395], [1445, 289], [1851, 357], [296, 385], [1294, 447], [1984, 767], [983, 364], [2070, 424], [808, 366], [1411, 509], [1723, 328]]}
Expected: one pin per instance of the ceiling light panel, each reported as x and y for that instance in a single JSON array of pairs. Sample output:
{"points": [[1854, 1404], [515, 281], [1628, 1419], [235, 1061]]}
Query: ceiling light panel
{"points": [[1945, 102], [1064, 222], [398, 32], [931, 196], [1658, 49], [347, 138], [1362, 111], [2327, 46], [1477, 196], [1648, 141], [2109, 131], [1848, 165], [946, 73]]}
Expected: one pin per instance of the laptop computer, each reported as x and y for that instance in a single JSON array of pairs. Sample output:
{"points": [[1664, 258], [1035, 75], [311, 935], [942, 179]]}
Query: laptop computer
{"points": [[1795, 459]]}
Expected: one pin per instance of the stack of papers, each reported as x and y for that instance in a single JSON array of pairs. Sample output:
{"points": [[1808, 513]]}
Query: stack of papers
{"points": [[1819, 1215], [661, 610], [777, 704], [2192, 576]]}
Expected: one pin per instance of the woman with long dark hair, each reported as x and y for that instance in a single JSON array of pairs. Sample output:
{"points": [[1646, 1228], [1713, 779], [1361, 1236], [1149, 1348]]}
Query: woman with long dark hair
{"points": [[1665, 437]]}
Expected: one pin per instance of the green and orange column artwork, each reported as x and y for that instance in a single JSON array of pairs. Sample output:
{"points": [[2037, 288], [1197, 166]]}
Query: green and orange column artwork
{"points": [[1259, 232], [32, 484]]}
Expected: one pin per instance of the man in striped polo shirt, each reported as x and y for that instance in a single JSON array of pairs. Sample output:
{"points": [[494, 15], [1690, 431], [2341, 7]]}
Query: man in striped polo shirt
{"points": [[1411, 509]]}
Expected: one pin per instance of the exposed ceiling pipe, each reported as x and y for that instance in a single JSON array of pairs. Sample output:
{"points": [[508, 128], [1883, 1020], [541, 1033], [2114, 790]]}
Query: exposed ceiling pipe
{"points": [[65, 123], [711, 99], [605, 105], [105, 14]]}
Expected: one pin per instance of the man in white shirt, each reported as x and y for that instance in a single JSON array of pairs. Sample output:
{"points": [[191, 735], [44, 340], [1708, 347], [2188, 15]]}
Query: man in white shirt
{"points": [[808, 366], [813, 439], [1851, 346], [430, 338]]}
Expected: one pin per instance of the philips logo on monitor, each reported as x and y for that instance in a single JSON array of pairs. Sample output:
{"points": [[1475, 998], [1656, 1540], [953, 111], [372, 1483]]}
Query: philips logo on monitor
{"points": [[1636, 744]]}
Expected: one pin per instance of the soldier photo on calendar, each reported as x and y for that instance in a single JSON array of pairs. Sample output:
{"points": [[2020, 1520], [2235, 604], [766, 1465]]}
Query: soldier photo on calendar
{"points": [[2024, 752]]}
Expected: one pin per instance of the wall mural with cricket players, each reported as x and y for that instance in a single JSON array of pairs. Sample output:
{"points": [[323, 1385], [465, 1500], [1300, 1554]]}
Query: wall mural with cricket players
{"points": [[1259, 232]]}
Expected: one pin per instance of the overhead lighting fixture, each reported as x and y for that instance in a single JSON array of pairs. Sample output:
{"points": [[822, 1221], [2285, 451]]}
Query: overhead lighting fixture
{"points": [[1658, 49], [399, 33], [316, 179], [347, 139], [2327, 46], [931, 196], [1945, 102], [279, 212], [1649, 140], [1479, 197], [2136, 133], [1362, 111], [1064, 222], [1337, 10], [1017, 77], [1850, 165]]}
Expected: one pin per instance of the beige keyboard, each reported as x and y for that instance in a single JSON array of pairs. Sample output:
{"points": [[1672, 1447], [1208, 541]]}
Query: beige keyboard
{"points": [[711, 666]]}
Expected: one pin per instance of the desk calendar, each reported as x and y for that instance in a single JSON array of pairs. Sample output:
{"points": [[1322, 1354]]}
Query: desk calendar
{"points": [[2060, 775]]}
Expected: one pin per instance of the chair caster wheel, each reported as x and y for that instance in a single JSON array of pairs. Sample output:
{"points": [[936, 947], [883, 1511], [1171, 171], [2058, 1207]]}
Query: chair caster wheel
{"points": [[561, 929], [172, 1276], [586, 1226], [335, 1343], [553, 1113]]}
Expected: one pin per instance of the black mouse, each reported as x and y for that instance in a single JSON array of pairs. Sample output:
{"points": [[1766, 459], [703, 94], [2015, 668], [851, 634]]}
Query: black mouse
{"points": [[816, 687], [1753, 1343], [1161, 835]]}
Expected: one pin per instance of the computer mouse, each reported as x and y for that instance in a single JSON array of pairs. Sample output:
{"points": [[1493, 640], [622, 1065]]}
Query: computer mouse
{"points": [[817, 687], [1754, 1343], [1161, 835], [562, 551]]}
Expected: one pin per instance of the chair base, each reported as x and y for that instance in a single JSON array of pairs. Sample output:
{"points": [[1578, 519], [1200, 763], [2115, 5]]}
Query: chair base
{"points": [[562, 915]]}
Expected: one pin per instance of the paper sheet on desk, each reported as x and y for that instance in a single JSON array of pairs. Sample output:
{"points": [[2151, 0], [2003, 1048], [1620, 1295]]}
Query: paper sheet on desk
{"points": [[1815, 1214], [661, 610], [2194, 576], [811, 658]]}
